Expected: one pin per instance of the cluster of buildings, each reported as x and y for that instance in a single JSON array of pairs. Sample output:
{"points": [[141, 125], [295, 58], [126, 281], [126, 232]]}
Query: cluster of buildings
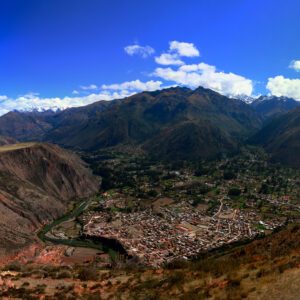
{"points": [[186, 228], [159, 235]]}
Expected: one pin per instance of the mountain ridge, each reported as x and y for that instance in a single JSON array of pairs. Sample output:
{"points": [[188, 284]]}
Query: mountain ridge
{"points": [[148, 118], [28, 126], [140, 117]]}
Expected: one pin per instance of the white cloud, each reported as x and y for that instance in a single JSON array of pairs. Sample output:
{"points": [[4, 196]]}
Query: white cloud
{"points": [[32, 101], [184, 49], [134, 85], [295, 64], [89, 87], [177, 50], [168, 59], [281, 86], [205, 75], [139, 50], [203, 67]]}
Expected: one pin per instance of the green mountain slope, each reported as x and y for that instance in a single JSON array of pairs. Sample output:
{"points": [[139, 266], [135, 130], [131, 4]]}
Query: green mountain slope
{"points": [[189, 141], [281, 138], [139, 118]]}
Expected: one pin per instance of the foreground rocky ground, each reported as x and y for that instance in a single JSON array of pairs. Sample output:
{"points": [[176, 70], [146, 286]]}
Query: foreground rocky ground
{"points": [[268, 268]]}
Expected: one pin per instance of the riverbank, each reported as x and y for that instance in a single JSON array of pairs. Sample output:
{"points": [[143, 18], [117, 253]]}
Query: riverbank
{"points": [[113, 249]]}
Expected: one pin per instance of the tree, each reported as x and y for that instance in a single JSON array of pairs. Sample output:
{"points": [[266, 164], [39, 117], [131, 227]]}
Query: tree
{"points": [[228, 175], [152, 193], [234, 192]]}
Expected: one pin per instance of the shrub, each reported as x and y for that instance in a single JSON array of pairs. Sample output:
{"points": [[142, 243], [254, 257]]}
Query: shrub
{"points": [[176, 278], [96, 286], [284, 267], [86, 273], [177, 264], [234, 192], [216, 267], [13, 266], [38, 273], [40, 288], [26, 283], [234, 282], [228, 175], [64, 274]]}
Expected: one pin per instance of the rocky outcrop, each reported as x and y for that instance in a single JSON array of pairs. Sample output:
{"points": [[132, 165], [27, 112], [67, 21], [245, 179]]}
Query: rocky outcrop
{"points": [[37, 181]]}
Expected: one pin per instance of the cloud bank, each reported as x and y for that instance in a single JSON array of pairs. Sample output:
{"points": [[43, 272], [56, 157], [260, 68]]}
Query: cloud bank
{"points": [[32, 101], [168, 59], [134, 85], [202, 74], [281, 86], [206, 75]]}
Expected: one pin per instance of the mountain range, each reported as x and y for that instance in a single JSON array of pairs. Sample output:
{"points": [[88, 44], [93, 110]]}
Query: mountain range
{"points": [[26, 126], [174, 123]]}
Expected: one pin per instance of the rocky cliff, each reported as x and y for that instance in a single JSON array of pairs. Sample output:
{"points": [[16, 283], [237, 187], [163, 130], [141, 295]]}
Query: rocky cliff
{"points": [[37, 181]]}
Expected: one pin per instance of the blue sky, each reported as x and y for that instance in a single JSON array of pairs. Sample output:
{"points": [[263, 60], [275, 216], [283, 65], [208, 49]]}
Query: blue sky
{"points": [[65, 53]]}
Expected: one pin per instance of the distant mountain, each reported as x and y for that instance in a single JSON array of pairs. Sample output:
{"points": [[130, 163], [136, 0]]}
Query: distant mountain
{"points": [[281, 138], [211, 122], [245, 98], [24, 126], [40, 110], [271, 106], [34, 125]]}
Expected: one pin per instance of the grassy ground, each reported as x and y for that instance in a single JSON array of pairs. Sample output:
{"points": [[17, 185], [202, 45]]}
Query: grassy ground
{"points": [[16, 146]]}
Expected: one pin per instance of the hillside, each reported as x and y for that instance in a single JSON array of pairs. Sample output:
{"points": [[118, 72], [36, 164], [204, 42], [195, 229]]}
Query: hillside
{"points": [[270, 107], [281, 138], [6, 140], [37, 181], [139, 118], [24, 126], [189, 141]]}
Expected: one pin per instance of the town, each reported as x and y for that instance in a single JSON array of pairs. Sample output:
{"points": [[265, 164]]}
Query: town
{"points": [[158, 236], [160, 213]]}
